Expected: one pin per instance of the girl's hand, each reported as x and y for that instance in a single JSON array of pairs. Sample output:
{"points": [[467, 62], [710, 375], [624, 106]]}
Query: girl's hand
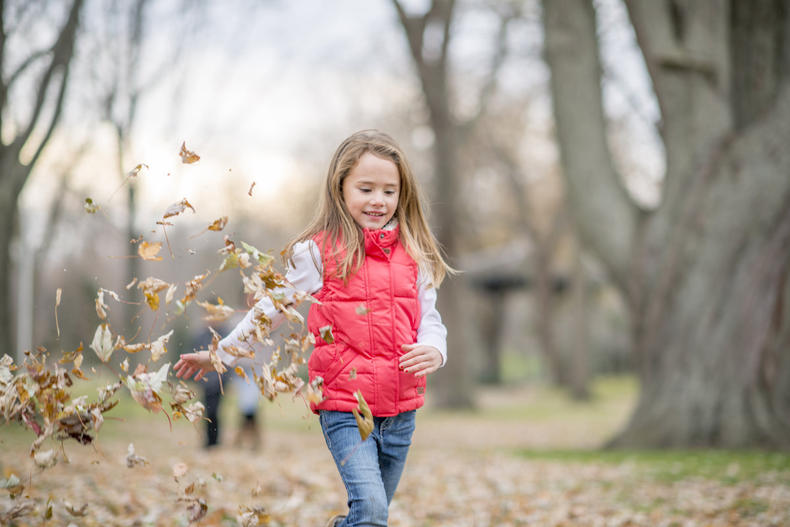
{"points": [[198, 363], [420, 359]]}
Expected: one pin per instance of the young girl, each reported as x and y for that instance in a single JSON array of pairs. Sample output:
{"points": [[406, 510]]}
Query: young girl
{"points": [[372, 262]]}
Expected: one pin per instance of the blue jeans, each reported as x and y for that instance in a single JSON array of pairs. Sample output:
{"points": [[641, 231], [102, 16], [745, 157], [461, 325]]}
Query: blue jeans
{"points": [[370, 470]]}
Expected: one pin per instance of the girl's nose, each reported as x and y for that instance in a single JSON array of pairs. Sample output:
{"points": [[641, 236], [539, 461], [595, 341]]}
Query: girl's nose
{"points": [[377, 197]]}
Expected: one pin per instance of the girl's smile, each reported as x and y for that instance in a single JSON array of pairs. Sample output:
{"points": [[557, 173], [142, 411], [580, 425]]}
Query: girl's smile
{"points": [[371, 191]]}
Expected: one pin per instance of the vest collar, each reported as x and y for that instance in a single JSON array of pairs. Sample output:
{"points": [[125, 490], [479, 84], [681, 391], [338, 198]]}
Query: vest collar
{"points": [[381, 238]]}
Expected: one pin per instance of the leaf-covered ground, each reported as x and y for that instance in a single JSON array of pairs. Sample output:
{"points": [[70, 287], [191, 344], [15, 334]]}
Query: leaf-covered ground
{"points": [[488, 468]]}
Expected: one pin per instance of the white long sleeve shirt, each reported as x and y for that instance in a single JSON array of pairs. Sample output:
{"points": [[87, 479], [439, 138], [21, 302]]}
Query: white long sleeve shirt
{"points": [[306, 275]]}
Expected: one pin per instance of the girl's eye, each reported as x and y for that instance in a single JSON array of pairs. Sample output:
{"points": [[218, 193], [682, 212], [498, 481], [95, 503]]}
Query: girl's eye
{"points": [[364, 190], [389, 192]]}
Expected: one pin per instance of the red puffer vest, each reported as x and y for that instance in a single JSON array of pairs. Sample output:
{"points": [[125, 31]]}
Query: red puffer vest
{"points": [[371, 316]]}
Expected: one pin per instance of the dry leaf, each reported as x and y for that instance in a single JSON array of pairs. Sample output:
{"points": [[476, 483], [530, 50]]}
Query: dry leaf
{"points": [[101, 307], [90, 206], [171, 291], [177, 208], [326, 334], [151, 287], [218, 224], [179, 469], [145, 387], [46, 459], [148, 251], [102, 342], [136, 171], [249, 192], [363, 416], [187, 156], [193, 286], [158, 347], [132, 459], [216, 312]]}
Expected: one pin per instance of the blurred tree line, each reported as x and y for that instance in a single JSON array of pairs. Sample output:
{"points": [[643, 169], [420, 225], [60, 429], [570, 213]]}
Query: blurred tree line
{"points": [[560, 253]]}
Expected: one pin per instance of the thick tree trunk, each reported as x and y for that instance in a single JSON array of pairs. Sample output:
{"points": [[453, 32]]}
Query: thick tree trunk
{"points": [[453, 386], [705, 273], [7, 218], [13, 173]]}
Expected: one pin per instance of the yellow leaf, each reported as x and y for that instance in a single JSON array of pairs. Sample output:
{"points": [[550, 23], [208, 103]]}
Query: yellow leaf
{"points": [[363, 416], [147, 251], [152, 299], [218, 224], [187, 156]]}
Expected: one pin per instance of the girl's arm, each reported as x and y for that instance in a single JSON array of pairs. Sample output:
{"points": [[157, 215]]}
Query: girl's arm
{"points": [[429, 353], [303, 276]]}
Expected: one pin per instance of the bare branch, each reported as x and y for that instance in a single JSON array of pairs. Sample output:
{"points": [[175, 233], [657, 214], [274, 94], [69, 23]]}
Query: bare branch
{"points": [[415, 30], [594, 189], [62, 51], [448, 20], [26, 64], [497, 60]]}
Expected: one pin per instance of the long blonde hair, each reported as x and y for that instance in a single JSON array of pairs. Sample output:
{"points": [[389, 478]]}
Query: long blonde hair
{"points": [[334, 219]]}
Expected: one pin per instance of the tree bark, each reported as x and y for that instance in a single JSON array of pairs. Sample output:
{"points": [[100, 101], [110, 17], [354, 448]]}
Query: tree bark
{"points": [[13, 172], [453, 387], [704, 273]]}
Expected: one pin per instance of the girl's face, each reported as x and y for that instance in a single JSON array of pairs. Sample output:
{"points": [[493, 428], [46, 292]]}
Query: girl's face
{"points": [[371, 190]]}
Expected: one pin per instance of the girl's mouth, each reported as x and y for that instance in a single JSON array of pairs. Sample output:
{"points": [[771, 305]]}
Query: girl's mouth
{"points": [[375, 214]]}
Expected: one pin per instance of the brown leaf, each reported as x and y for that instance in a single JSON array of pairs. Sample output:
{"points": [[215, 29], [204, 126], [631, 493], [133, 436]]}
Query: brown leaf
{"points": [[363, 416], [187, 156], [218, 224], [177, 208]]}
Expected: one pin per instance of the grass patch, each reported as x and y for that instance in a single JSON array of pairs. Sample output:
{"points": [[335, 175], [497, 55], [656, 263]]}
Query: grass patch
{"points": [[726, 466], [548, 403]]}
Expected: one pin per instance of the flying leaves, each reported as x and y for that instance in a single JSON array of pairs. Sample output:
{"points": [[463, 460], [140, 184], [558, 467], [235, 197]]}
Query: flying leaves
{"points": [[37, 393]]}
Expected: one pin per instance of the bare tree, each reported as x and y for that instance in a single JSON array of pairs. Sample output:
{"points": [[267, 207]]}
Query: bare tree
{"points": [[705, 273], [431, 61], [54, 64]]}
